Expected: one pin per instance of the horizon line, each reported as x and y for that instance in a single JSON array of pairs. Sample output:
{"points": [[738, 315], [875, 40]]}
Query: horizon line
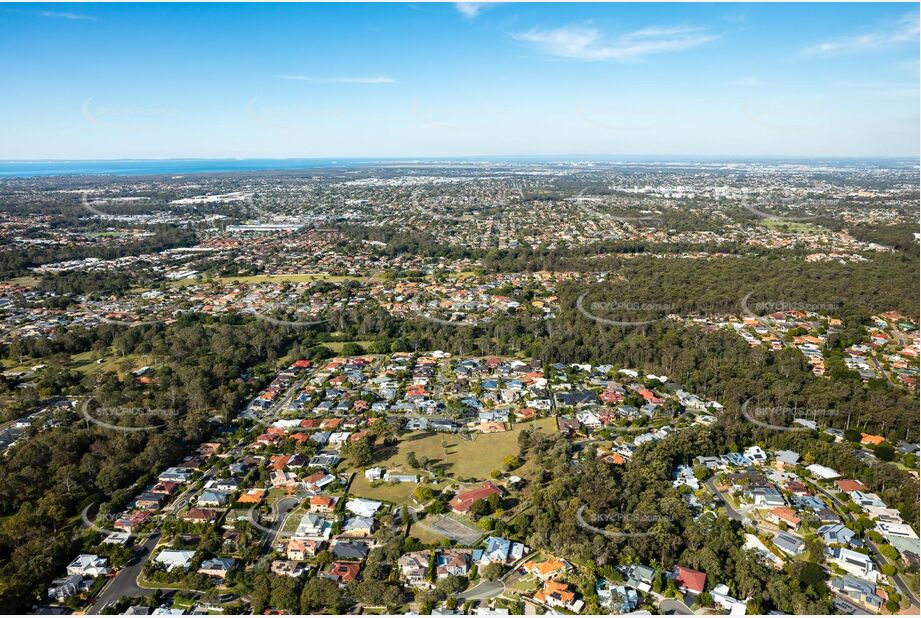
{"points": [[461, 157]]}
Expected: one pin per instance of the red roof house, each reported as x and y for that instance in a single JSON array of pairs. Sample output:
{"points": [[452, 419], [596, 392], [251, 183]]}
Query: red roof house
{"points": [[462, 502], [689, 580]]}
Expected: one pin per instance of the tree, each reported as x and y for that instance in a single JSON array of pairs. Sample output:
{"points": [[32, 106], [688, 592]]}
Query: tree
{"points": [[361, 452], [319, 594], [889, 551], [492, 571], [352, 349], [884, 451], [511, 462]]}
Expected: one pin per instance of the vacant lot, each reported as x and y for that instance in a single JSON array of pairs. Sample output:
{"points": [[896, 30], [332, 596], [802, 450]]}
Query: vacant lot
{"points": [[797, 227], [86, 362], [452, 455]]}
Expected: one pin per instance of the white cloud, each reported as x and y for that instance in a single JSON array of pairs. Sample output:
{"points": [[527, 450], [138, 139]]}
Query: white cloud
{"points": [[340, 80], [907, 30], [470, 9], [583, 43], [70, 16], [747, 81]]}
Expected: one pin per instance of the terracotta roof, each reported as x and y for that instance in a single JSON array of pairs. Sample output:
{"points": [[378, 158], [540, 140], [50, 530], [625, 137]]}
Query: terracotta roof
{"points": [[464, 500], [692, 580], [850, 485]]}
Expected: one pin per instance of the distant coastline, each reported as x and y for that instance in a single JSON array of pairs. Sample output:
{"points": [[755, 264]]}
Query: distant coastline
{"points": [[149, 167]]}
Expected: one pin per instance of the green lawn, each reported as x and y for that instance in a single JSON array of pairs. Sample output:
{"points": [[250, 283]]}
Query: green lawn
{"points": [[85, 362], [452, 455], [800, 227], [27, 281], [336, 346], [397, 493]]}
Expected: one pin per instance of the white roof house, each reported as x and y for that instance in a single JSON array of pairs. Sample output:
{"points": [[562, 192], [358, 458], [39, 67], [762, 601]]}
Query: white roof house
{"points": [[363, 507], [175, 558], [855, 563], [720, 595], [822, 472], [88, 565]]}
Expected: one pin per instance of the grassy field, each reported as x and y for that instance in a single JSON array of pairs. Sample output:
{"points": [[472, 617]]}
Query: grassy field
{"points": [[800, 227], [397, 493], [85, 362], [336, 346], [452, 455], [27, 281]]}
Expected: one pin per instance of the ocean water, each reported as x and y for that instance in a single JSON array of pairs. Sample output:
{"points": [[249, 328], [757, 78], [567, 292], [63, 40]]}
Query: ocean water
{"points": [[127, 167], [149, 167]]}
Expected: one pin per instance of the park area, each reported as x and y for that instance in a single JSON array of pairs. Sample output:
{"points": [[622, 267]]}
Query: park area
{"points": [[461, 457]]}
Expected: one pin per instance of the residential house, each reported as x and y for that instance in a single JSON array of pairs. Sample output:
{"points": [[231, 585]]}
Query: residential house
{"points": [[323, 504], [857, 564], [363, 507], [859, 591], [342, 572], [547, 569], [500, 550], [201, 516], [689, 580], [789, 544], [358, 526], [720, 596], [174, 559], [288, 568], [414, 568], [302, 549], [350, 550], [217, 567], [88, 565], [454, 562], [837, 534], [782, 515], [617, 599], [462, 502], [313, 527], [558, 594]]}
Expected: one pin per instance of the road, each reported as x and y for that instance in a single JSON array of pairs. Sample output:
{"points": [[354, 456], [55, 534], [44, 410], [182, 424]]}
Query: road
{"points": [[880, 369], [731, 512], [674, 606], [125, 582], [482, 591], [280, 511]]}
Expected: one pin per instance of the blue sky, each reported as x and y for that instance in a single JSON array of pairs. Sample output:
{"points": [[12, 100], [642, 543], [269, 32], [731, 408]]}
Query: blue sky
{"points": [[96, 81]]}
